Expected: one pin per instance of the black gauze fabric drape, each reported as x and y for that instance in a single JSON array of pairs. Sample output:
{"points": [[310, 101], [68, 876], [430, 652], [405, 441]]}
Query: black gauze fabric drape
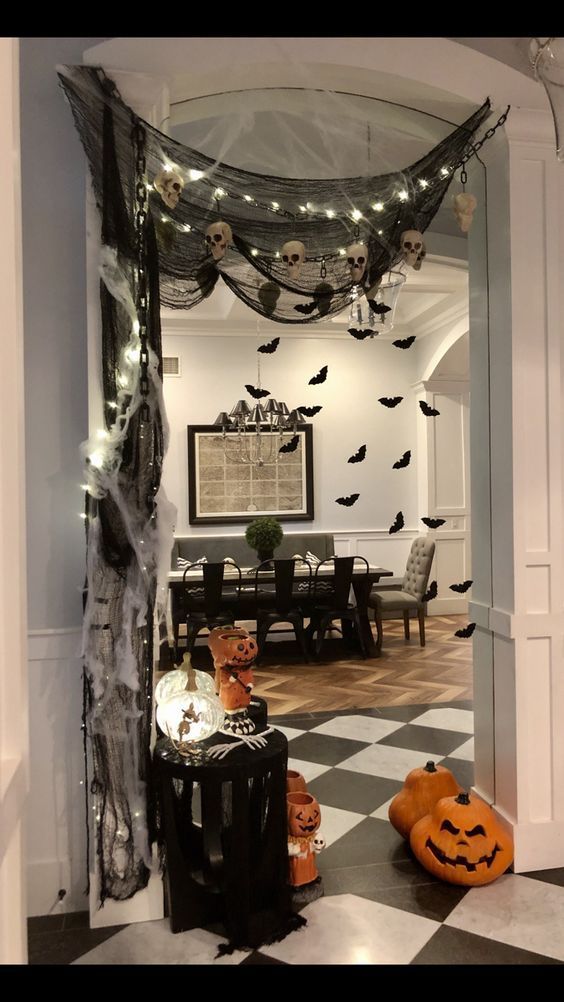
{"points": [[129, 520], [253, 267]]}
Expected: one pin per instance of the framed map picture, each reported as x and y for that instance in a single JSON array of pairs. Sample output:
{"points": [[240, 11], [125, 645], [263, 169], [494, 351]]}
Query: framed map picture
{"points": [[224, 486]]}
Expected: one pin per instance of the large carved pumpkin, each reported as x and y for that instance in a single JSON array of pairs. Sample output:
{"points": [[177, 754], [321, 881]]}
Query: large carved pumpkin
{"points": [[462, 842], [421, 791], [304, 816]]}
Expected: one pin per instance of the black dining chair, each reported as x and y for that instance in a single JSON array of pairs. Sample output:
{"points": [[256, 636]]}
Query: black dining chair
{"points": [[325, 606], [213, 602], [285, 605]]}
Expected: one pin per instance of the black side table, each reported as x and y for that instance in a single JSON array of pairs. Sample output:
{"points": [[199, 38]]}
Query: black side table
{"points": [[234, 867]]}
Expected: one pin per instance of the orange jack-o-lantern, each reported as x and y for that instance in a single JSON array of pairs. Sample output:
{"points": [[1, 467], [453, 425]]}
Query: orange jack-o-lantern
{"points": [[295, 782], [421, 791], [233, 651], [462, 842], [304, 817]]}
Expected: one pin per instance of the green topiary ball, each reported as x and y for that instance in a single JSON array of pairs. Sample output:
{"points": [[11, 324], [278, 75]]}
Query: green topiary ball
{"points": [[264, 534]]}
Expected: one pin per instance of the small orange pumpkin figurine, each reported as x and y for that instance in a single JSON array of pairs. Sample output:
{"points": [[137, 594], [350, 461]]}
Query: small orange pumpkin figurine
{"points": [[295, 782], [421, 791], [304, 817], [462, 842], [233, 651]]}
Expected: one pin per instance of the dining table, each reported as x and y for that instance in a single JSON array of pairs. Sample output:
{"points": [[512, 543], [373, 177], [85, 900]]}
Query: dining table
{"points": [[362, 582]]}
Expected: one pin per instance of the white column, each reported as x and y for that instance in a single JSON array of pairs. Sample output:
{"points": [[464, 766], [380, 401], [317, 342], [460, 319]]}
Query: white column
{"points": [[518, 599], [14, 754]]}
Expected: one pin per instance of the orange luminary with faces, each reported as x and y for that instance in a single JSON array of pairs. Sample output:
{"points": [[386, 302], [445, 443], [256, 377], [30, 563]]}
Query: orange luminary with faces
{"points": [[233, 651], [304, 817], [462, 842]]}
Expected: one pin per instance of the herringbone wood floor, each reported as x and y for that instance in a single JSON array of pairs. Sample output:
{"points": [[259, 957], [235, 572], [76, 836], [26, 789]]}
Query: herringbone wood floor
{"points": [[405, 673]]}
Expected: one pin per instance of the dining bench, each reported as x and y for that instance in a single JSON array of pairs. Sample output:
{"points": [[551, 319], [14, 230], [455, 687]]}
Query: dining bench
{"points": [[216, 548]]}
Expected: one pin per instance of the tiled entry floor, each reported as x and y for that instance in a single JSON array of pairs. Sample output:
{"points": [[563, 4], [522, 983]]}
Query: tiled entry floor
{"points": [[380, 905]]}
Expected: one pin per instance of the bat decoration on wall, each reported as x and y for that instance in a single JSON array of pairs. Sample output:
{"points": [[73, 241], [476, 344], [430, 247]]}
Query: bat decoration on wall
{"points": [[306, 308], [467, 631], [257, 394], [271, 346], [358, 456], [431, 592], [427, 410], [460, 588], [390, 401], [290, 446], [321, 376], [433, 523], [360, 334], [309, 411], [406, 343], [379, 308], [348, 502], [398, 524], [403, 462]]}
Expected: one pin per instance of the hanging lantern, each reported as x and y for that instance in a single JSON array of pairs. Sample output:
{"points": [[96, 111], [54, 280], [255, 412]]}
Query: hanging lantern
{"points": [[190, 716], [175, 681], [375, 308], [547, 58]]}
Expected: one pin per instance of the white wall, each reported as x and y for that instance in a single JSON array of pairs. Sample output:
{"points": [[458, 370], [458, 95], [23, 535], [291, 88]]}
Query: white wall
{"points": [[213, 373], [54, 286]]}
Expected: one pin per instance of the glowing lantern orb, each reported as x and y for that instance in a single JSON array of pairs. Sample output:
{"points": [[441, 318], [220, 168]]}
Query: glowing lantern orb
{"points": [[190, 716], [174, 682]]}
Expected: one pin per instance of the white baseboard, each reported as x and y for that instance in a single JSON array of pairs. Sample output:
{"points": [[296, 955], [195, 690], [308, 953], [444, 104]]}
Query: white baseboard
{"points": [[44, 880]]}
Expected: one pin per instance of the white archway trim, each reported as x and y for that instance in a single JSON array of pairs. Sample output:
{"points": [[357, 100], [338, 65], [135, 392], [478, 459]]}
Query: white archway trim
{"points": [[458, 330]]}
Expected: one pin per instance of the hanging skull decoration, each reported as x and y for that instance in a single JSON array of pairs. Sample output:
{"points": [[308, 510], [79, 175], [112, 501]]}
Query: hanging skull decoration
{"points": [[413, 248], [420, 258], [293, 256], [218, 236], [463, 206], [357, 259], [169, 186]]}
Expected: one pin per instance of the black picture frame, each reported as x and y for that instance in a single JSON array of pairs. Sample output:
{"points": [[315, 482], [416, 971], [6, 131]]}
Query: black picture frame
{"points": [[197, 509]]}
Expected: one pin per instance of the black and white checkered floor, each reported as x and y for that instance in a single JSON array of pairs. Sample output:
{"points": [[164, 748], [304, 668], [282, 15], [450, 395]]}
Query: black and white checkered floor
{"points": [[380, 906]]}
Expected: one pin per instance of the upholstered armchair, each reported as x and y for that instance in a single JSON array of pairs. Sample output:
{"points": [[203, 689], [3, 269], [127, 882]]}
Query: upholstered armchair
{"points": [[413, 588]]}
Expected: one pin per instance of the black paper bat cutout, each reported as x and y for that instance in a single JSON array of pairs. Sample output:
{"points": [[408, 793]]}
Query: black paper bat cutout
{"points": [[406, 343], [358, 456], [433, 523], [360, 334], [348, 502], [431, 592], [390, 401], [427, 410], [290, 446], [379, 308], [403, 462], [271, 346], [460, 588], [467, 631], [257, 394], [309, 411], [321, 376], [306, 308], [398, 524]]}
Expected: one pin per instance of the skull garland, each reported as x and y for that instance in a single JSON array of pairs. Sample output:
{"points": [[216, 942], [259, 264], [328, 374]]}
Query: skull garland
{"points": [[357, 259], [169, 185], [218, 236], [463, 206], [293, 256], [413, 248]]}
